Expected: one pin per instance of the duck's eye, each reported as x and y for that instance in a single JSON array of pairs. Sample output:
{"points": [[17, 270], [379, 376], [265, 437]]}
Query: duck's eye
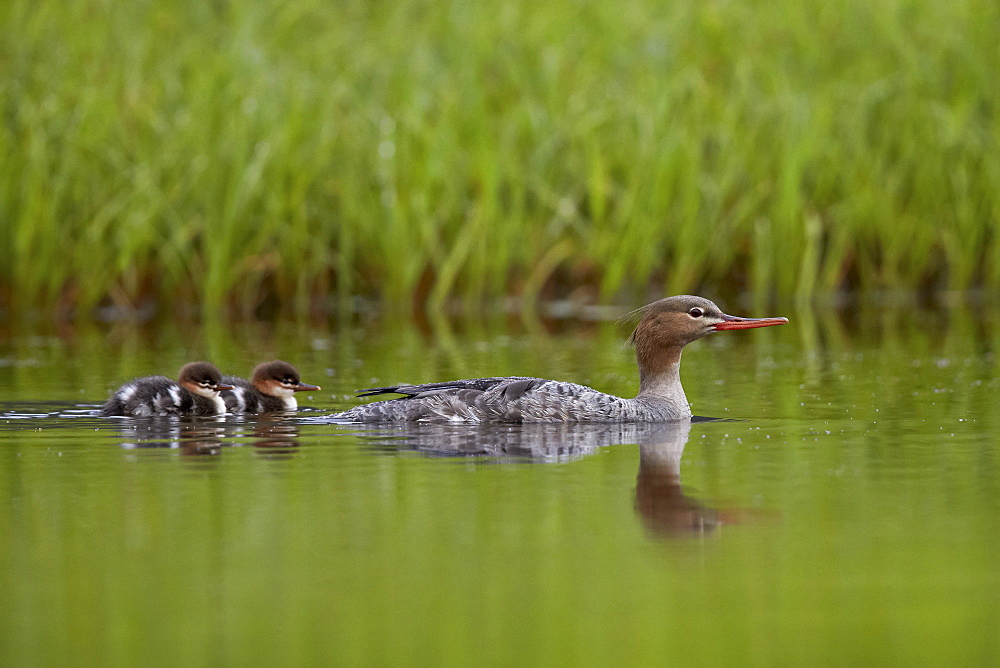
{"points": [[290, 381], [696, 312]]}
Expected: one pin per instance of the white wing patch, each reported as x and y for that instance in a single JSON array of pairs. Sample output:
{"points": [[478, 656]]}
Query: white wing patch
{"points": [[126, 392], [239, 394]]}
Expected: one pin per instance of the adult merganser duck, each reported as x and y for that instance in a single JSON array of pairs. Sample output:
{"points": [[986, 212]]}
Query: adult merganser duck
{"points": [[664, 328], [272, 387], [196, 392]]}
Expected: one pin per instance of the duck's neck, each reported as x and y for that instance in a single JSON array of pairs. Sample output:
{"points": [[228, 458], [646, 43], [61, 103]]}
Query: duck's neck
{"points": [[660, 374]]}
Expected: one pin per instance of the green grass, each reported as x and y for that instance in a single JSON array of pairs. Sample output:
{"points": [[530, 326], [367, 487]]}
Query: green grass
{"points": [[228, 154]]}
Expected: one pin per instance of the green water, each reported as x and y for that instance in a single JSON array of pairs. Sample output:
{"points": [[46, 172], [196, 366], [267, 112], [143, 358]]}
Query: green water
{"points": [[852, 514]]}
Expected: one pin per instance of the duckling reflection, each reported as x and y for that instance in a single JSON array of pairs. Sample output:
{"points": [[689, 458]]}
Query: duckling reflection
{"points": [[660, 500], [195, 437], [276, 436]]}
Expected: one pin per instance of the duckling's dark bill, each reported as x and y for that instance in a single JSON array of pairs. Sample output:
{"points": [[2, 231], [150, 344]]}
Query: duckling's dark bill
{"points": [[303, 387]]}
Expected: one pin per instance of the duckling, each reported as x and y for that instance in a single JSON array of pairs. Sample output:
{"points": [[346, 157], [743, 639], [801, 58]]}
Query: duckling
{"points": [[196, 392], [272, 387]]}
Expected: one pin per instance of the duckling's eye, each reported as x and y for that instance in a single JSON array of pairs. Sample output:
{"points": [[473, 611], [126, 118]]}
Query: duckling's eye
{"points": [[696, 312], [289, 381]]}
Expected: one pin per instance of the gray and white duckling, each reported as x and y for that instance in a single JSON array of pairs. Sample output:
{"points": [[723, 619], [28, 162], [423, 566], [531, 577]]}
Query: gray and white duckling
{"points": [[271, 387], [195, 392], [664, 328]]}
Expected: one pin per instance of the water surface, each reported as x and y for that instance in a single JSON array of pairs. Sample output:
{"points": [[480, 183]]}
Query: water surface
{"points": [[848, 508]]}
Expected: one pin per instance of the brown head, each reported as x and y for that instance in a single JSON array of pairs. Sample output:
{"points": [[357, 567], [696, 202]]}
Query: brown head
{"points": [[667, 325], [677, 321], [278, 379], [202, 378]]}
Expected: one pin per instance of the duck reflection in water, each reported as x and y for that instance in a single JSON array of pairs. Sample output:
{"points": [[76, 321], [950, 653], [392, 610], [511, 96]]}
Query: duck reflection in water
{"points": [[660, 501], [275, 436], [191, 437]]}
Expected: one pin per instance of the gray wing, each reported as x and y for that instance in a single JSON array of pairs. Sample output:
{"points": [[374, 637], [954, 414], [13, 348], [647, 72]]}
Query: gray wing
{"points": [[539, 400], [427, 389], [511, 399]]}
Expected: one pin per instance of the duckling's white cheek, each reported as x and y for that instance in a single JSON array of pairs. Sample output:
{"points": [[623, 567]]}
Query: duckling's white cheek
{"points": [[283, 392], [207, 392]]}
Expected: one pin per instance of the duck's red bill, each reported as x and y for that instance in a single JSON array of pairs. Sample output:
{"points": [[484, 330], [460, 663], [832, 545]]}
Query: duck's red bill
{"points": [[732, 322]]}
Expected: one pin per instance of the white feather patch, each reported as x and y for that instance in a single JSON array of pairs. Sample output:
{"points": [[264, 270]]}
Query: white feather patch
{"points": [[126, 392], [241, 400]]}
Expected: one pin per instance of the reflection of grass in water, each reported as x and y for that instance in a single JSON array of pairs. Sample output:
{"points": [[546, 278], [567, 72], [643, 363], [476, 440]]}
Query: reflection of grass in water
{"points": [[300, 149]]}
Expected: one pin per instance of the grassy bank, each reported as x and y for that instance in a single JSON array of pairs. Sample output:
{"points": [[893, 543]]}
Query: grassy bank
{"points": [[227, 154]]}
